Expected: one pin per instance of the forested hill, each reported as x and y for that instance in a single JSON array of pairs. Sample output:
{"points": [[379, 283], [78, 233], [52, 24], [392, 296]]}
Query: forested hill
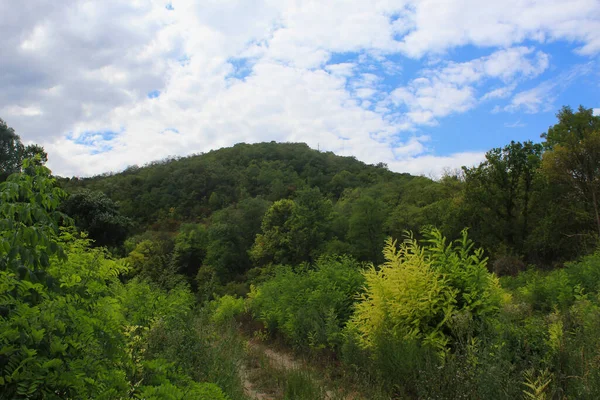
{"points": [[192, 188], [253, 205], [265, 203]]}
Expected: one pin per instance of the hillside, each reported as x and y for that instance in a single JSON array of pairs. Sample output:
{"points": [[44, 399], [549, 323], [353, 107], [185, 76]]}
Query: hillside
{"points": [[191, 188], [338, 204]]}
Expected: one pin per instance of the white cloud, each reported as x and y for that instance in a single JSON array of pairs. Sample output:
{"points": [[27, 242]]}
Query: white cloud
{"points": [[436, 26], [543, 96], [539, 98], [435, 166], [452, 87], [516, 124], [499, 93], [232, 70], [18, 111], [596, 112]]}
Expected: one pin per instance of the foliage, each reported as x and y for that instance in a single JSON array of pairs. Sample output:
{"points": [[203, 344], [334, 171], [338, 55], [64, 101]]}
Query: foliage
{"points": [[226, 308], [151, 260], [309, 307], [99, 216], [500, 194], [365, 230], [546, 291], [80, 332], [189, 250], [29, 222], [54, 335], [573, 157], [13, 152], [276, 243], [417, 291]]}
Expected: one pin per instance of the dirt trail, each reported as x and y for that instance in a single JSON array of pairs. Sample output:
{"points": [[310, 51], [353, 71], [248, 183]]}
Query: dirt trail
{"points": [[278, 360], [249, 389]]}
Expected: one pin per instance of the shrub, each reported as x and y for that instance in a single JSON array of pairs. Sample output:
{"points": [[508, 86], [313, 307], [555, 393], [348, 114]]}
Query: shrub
{"points": [[416, 292], [309, 306], [226, 308]]}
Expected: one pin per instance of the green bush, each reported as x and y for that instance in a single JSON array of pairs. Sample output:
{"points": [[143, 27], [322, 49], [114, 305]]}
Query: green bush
{"points": [[226, 308], [309, 307]]}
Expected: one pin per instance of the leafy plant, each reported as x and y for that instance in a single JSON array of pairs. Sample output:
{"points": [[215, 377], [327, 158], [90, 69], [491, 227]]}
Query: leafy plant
{"points": [[309, 306], [420, 287]]}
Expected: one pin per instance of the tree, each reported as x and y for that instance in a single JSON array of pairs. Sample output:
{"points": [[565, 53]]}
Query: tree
{"points": [[97, 214], [365, 231], [29, 221], [190, 249], [313, 218], [421, 286], [230, 236], [225, 252], [13, 152], [294, 231], [498, 194], [277, 243], [572, 158]]}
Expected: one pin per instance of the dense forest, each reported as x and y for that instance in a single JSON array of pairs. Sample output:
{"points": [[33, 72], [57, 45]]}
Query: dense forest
{"points": [[153, 283]]}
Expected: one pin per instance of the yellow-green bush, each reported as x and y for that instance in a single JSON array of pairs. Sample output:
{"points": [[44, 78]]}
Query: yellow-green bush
{"points": [[226, 308], [416, 292]]}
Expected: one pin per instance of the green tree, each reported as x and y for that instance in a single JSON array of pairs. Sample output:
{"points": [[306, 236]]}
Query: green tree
{"points": [[30, 221], [230, 236], [365, 231], [97, 214], [225, 252], [499, 193], [13, 152], [572, 158], [277, 242], [309, 306], [420, 287], [313, 217], [294, 231]]}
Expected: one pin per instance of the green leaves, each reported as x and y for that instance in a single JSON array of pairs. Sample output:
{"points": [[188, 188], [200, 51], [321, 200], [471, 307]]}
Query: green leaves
{"points": [[62, 318], [415, 293], [309, 306], [29, 222]]}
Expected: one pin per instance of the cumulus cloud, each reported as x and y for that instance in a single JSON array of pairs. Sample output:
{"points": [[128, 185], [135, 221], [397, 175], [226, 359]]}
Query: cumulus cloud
{"points": [[452, 88], [440, 25], [105, 84]]}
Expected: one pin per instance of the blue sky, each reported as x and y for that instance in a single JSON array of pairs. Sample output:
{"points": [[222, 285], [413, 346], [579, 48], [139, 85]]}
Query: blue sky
{"points": [[422, 85]]}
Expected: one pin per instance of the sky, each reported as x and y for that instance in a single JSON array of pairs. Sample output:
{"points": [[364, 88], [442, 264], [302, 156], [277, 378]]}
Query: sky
{"points": [[425, 86]]}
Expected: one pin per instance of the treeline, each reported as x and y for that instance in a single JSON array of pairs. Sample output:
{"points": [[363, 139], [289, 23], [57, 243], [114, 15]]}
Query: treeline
{"points": [[527, 203]]}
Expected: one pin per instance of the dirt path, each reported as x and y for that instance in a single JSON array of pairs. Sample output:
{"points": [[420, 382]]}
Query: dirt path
{"points": [[278, 360], [249, 389]]}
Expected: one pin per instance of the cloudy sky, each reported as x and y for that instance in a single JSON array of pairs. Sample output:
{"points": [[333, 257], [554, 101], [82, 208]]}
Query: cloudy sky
{"points": [[421, 85]]}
